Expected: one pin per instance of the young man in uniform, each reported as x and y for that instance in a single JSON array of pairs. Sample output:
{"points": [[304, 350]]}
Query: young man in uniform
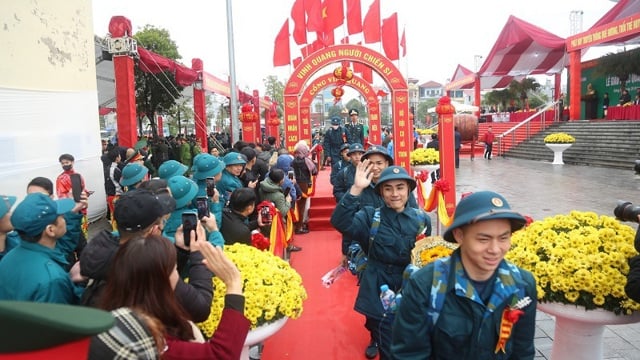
{"points": [[473, 304], [354, 130]]}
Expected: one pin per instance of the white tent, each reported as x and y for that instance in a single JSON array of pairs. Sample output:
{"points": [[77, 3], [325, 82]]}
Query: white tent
{"points": [[460, 108]]}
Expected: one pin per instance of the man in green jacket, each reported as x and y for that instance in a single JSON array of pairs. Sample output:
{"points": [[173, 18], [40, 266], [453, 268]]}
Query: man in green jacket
{"points": [[35, 270], [474, 304]]}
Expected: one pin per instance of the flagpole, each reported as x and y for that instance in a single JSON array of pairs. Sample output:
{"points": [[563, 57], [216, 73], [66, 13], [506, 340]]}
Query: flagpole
{"points": [[233, 110]]}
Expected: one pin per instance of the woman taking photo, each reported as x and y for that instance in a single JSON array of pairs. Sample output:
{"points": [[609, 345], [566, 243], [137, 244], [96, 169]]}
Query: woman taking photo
{"points": [[143, 276]]}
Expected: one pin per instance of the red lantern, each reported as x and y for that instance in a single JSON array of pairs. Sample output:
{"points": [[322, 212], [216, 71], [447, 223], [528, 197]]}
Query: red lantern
{"points": [[248, 115], [337, 92], [274, 122], [343, 74]]}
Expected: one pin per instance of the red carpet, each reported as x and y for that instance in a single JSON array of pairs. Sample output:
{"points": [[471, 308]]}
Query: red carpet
{"points": [[329, 328]]}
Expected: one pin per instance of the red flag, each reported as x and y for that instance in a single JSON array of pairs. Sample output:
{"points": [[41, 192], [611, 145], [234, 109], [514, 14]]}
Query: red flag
{"points": [[299, 27], [332, 14], [390, 37], [403, 43], [367, 74], [281, 53], [297, 61], [371, 23], [313, 8], [354, 17]]}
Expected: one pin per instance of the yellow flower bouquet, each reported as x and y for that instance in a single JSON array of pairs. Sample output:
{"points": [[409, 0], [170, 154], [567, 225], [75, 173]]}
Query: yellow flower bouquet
{"points": [[424, 156], [425, 131], [272, 288], [429, 249], [580, 258], [559, 138]]}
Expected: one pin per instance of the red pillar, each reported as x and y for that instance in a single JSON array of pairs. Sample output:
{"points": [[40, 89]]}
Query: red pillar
{"points": [[125, 100], [575, 83], [447, 150], [199, 107], [160, 125], [557, 82], [258, 123]]}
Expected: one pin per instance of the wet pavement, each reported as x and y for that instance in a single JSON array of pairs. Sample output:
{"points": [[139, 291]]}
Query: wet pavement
{"points": [[540, 189]]}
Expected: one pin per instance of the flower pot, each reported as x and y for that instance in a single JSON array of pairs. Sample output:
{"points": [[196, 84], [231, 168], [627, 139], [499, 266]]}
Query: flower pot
{"points": [[260, 334], [578, 332], [558, 149], [428, 168]]}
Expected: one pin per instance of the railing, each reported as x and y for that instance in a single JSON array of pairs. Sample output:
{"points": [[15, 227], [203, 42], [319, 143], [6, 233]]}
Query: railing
{"points": [[542, 113]]}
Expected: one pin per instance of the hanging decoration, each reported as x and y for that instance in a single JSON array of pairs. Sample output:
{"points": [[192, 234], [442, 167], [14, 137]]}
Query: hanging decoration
{"points": [[337, 93], [248, 115], [343, 74]]}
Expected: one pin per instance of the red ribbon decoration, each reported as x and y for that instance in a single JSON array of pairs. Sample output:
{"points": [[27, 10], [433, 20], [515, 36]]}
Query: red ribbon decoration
{"points": [[509, 318]]}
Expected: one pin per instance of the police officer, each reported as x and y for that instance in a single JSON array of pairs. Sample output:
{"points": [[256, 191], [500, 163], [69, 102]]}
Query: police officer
{"points": [[340, 164], [333, 140], [388, 246], [354, 130]]}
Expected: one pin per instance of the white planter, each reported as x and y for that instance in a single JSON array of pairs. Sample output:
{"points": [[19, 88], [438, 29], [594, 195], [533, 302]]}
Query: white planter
{"points": [[260, 334], [578, 332], [558, 149], [425, 168]]}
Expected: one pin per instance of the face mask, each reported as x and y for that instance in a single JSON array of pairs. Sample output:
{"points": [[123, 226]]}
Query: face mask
{"points": [[334, 127], [67, 167]]}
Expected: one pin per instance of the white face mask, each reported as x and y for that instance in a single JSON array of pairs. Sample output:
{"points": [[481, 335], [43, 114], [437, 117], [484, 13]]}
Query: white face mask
{"points": [[335, 126]]}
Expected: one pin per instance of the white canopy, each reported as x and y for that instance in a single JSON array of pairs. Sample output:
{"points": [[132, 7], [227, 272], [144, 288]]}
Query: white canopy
{"points": [[460, 108]]}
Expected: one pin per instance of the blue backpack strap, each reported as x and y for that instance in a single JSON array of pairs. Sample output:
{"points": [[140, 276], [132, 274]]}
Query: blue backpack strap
{"points": [[439, 286], [374, 226]]}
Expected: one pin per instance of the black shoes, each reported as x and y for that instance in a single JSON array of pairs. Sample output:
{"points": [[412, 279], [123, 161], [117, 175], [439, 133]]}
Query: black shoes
{"points": [[372, 350], [302, 231], [292, 248]]}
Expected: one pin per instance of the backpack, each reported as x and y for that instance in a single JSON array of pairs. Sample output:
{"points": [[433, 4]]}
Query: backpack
{"points": [[357, 257]]}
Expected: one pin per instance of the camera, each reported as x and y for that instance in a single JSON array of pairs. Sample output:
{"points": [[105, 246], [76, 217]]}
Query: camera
{"points": [[626, 211], [266, 215]]}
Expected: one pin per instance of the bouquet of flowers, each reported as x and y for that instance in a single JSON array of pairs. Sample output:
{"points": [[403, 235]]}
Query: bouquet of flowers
{"points": [[272, 289], [580, 258], [425, 131], [424, 156], [429, 249], [559, 138]]}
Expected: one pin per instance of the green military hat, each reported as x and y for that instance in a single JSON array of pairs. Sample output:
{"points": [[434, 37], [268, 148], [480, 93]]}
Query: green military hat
{"points": [[395, 173], [483, 205], [42, 328]]}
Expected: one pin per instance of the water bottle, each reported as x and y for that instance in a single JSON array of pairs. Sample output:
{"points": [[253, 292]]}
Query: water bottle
{"points": [[396, 303], [386, 296]]}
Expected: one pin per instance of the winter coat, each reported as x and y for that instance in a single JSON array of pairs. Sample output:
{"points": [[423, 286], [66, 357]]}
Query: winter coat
{"points": [[270, 191]]}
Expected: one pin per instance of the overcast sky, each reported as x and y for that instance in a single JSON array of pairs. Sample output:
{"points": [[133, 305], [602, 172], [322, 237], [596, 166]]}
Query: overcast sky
{"points": [[439, 37]]}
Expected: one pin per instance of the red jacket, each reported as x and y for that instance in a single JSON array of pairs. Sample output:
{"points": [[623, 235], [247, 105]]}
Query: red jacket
{"points": [[227, 341], [489, 137]]}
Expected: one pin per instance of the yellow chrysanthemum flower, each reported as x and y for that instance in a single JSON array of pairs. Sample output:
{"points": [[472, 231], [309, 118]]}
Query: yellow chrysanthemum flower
{"points": [[424, 156], [579, 258], [559, 138], [272, 288]]}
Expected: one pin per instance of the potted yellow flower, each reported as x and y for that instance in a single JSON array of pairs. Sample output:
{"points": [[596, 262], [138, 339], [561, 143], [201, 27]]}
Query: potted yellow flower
{"points": [[273, 290], [429, 249], [424, 159], [558, 142], [580, 264]]}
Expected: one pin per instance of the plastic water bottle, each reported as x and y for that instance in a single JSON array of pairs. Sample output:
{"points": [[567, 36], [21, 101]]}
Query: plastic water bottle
{"points": [[386, 296], [396, 303]]}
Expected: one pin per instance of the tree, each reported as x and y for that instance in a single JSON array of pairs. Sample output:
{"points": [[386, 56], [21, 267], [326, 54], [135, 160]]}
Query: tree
{"points": [[621, 65], [156, 93], [498, 97], [356, 104], [274, 89], [423, 110]]}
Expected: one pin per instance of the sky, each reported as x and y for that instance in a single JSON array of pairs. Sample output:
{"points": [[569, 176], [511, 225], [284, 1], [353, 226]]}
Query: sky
{"points": [[439, 37]]}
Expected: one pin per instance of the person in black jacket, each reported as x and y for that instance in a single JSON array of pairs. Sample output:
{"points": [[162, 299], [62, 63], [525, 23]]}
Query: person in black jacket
{"points": [[142, 212], [236, 226], [633, 277], [434, 144]]}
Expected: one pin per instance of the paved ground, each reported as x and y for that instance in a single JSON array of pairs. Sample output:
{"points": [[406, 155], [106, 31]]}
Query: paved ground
{"points": [[540, 189]]}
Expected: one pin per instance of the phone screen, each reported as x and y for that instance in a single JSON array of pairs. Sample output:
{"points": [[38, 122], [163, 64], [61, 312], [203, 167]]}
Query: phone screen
{"points": [[203, 206], [287, 191], [189, 222], [290, 174], [211, 185], [76, 187]]}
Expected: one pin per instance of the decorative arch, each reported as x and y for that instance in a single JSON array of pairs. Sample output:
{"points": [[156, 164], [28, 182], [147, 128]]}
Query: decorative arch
{"points": [[357, 83], [296, 120]]}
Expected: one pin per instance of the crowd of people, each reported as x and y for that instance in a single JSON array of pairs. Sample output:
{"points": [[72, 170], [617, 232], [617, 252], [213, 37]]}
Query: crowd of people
{"points": [[138, 268]]}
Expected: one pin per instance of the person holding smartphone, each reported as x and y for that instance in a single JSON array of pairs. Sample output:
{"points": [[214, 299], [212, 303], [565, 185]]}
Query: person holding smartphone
{"points": [[207, 171]]}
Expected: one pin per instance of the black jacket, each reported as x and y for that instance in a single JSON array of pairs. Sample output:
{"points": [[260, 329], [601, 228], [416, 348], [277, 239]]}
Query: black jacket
{"points": [[195, 297], [236, 228]]}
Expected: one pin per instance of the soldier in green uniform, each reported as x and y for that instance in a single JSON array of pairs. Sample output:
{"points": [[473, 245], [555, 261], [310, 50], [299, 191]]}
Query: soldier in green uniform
{"points": [[464, 306]]}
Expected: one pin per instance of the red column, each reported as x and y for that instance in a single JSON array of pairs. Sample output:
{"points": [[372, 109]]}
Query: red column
{"points": [[258, 123], [557, 82], [160, 125], [199, 107], [447, 150], [575, 83], [248, 128], [125, 100]]}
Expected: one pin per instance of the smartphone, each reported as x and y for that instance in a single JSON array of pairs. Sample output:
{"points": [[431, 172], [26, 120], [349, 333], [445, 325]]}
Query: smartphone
{"points": [[76, 187], [202, 203], [189, 222], [290, 174], [287, 191], [211, 186]]}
